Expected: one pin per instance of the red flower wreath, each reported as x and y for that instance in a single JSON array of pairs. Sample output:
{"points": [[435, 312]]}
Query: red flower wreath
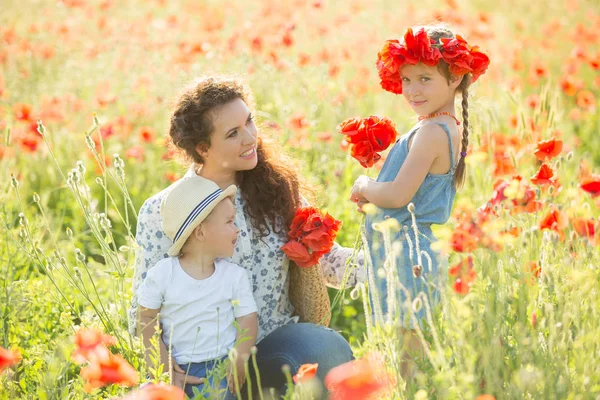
{"points": [[461, 58]]}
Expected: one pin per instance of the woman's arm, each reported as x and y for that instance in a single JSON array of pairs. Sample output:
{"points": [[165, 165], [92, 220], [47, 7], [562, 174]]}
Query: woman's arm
{"points": [[335, 270]]}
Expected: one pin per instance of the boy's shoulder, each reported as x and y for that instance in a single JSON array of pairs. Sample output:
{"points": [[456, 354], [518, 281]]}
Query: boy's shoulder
{"points": [[229, 267], [162, 267]]}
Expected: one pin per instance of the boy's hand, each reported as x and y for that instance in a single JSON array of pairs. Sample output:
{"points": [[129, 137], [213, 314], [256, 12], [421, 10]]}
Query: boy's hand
{"points": [[241, 375], [180, 380]]}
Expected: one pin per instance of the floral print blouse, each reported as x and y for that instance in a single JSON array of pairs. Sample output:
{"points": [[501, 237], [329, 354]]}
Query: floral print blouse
{"points": [[263, 259]]}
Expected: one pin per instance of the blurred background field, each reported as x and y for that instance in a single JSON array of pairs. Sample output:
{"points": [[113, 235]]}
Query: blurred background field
{"points": [[103, 75]]}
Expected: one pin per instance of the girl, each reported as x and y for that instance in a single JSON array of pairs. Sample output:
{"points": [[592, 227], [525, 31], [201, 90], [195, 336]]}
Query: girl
{"points": [[212, 124], [424, 167]]}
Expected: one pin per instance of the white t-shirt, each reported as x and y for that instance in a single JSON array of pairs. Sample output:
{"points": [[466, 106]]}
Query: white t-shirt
{"points": [[197, 315]]}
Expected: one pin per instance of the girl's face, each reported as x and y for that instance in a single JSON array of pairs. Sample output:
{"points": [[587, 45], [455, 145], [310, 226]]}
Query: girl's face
{"points": [[427, 90], [233, 141]]}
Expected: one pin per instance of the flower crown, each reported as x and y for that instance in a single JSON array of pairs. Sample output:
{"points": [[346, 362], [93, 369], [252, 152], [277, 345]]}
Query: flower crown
{"points": [[461, 58]]}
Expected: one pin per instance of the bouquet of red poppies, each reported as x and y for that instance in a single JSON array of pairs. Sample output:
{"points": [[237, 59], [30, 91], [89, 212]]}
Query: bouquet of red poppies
{"points": [[311, 235], [367, 137]]}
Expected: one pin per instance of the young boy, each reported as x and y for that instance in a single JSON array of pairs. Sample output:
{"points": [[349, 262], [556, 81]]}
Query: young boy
{"points": [[195, 293]]}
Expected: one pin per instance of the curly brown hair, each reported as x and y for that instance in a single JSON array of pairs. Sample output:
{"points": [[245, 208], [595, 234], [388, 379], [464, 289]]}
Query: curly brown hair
{"points": [[271, 190], [436, 32]]}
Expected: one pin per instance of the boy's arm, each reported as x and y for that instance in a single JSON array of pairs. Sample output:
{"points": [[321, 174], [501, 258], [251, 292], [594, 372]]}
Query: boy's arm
{"points": [[246, 338], [147, 328]]}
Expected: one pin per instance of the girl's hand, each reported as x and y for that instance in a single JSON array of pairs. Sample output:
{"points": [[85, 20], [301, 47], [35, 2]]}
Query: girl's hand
{"points": [[241, 375], [358, 188], [180, 380], [360, 205]]}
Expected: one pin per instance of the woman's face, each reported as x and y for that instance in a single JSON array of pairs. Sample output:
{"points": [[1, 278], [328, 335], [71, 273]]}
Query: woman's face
{"points": [[233, 141]]}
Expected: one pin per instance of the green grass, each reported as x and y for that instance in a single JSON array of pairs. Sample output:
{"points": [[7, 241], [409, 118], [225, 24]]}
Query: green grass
{"points": [[67, 225]]}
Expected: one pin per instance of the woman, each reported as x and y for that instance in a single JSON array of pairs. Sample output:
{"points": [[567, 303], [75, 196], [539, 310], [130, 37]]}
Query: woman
{"points": [[212, 124]]}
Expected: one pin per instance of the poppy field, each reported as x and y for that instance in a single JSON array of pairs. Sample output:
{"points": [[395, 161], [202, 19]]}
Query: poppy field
{"points": [[86, 87]]}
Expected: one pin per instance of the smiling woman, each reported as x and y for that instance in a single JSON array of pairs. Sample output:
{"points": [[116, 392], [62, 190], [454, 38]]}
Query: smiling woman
{"points": [[212, 124]]}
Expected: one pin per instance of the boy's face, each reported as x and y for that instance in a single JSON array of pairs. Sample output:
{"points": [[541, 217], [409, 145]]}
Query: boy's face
{"points": [[219, 230]]}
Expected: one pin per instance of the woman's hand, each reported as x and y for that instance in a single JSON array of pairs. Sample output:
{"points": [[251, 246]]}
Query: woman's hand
{"points": [[179, 378], [358, 189]]}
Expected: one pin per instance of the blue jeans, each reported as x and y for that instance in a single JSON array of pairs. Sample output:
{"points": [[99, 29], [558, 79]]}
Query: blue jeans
{"points": [[218, 390], [295, 344]]}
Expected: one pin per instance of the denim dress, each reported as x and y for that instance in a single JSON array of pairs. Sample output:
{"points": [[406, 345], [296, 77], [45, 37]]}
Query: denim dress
{"points": [[418, 268]]}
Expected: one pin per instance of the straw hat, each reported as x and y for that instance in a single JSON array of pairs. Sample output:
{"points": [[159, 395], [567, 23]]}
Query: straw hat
{"points": [[186, 205]]}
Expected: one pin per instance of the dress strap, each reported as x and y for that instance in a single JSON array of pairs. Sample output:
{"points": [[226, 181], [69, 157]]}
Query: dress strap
{"points": [[445, 128]]}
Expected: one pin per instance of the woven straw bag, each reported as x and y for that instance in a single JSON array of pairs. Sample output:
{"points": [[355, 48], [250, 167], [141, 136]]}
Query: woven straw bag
{"points": [[308, 294]]}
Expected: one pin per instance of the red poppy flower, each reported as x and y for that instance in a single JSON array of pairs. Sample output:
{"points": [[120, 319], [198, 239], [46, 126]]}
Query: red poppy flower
{"points": [[533, 271], [392, 85], [358, 379], [547, 150], [527, 203], [160, 391], [463, 58], [586, 100], [364, 154], [91, 343], [297, 121], [591, 185], [147, 134], [555, 220], [465, 275], [503, 165], [524, 200], [305, 373], [23, 112], [544, 176], [112, 370], [463, 241], [595, 62], [584, 227], [8, 358], [298, 253], [419, 48], [312, 234], [367, 137]]}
